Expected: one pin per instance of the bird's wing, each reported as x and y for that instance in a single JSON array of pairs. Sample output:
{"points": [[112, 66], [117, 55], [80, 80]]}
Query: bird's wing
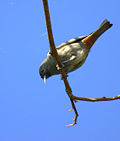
{"points": [[68, 50], [69, 60], [74, 40]]}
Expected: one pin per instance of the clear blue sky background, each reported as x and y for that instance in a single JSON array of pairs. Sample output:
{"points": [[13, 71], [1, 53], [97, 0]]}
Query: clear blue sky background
{"points": [[33, 111]]}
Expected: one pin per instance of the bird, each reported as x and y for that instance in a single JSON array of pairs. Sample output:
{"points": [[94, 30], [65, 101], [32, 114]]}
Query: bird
{"points": [[72, 53]]}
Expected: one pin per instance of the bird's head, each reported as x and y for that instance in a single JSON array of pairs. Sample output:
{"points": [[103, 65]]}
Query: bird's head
{"points": [[44, 72], [48, 67]]}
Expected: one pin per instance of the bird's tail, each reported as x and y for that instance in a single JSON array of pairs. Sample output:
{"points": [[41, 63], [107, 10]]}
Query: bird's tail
{"points": [[90, 39]]}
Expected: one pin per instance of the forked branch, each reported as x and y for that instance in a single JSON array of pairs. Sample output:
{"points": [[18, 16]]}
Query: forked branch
{"points": [[53, 52]]}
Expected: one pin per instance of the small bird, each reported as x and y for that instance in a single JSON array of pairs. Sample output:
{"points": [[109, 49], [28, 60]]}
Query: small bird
{"points": [[72, 53]]}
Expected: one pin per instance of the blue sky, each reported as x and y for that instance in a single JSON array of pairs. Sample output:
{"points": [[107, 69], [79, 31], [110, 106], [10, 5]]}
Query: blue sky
{"points": [[33, 111]]}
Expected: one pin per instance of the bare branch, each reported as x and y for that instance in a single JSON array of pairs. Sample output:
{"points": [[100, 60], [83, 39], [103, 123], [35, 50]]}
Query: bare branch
{"points": [[76, 114], [48, 25], [96, 99], [53, 52]]}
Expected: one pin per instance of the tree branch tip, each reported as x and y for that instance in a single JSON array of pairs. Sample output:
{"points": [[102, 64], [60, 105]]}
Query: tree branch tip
{"points": [[69, 125], [70, 109]]}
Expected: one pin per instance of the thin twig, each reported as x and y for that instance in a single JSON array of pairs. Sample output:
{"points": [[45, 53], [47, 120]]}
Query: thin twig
{"points": [[96, 99], [53, 52], [76, 114]]}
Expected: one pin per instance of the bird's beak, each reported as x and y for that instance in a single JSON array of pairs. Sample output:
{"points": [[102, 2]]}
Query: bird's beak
{"points": [[44, 78]]}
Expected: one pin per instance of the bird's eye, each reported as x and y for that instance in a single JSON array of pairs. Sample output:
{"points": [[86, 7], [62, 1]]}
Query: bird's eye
{"points": [[42, 72]]}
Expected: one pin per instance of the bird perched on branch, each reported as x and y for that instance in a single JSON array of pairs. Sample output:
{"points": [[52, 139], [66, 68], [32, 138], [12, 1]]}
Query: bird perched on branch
{"points": [[72, 53]]}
